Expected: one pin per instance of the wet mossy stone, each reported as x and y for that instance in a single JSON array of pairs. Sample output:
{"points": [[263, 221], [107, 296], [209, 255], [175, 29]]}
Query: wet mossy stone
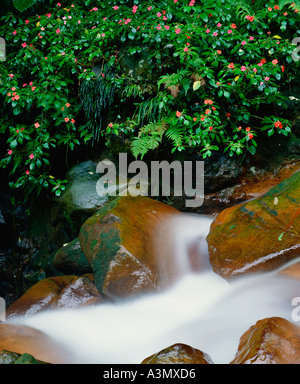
{"points": [[118, 242], [70, 259], [260, 235]]}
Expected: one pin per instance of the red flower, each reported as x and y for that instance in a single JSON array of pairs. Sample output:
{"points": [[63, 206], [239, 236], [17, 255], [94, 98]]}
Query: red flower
{"points": [[278, 124], [250, 136], [233, 26], [178, 114], [231, 66]]}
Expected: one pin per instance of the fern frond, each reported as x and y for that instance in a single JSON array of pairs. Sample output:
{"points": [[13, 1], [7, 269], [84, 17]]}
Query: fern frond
{"points": [[175, 133]]}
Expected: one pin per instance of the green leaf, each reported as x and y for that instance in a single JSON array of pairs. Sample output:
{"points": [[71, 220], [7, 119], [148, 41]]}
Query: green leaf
{"points": [[21, 5]]}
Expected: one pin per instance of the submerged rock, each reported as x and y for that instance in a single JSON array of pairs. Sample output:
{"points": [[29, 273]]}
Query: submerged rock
{"points": [[259, 235], [121, 243], [270, 341], [55, 293], [179, 354]]}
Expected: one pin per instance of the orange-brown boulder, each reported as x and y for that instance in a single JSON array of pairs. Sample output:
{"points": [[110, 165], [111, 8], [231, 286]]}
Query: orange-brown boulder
{"points": [[56, 293], [272, 340], [179, 354], [22, 339], [260, 235], [125, 243]]}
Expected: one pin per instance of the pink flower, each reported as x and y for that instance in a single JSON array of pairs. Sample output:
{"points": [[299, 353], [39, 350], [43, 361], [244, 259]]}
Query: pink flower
{"points": [[10, 152], [27, 21], [115, 7], [275, 61], [215, 34], [11, 75], [158, 14], [110, 125], [270, 9], [243, 68], [167, 27], [103, 34], [33, 88], [27, 172], [31, 156], [58, 4], [251, 38], [134, 8], [267, 78], [79, 22], [254, 70], [58, 31], [14, 32], [149, 8], [67, 119], [219, 25], [185, 49], [24, 45], [260, 64], [207, 31], [243, 42], [36, 125], [175, 1], [229, 31], [177, 31]]}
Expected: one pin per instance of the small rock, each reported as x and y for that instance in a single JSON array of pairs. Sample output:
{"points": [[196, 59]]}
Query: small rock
{"points": [[179, 354]]}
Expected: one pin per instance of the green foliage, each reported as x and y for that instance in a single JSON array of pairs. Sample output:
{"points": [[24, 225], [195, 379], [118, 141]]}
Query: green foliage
{"points": [[21, 5], [178, 75]]}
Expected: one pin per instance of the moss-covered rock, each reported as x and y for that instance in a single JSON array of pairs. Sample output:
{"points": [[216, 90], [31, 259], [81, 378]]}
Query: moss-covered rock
{"points": [[70, 259], [120, 241]]}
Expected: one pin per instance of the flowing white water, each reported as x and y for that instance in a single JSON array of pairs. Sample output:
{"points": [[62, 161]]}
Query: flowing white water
{"points": [[201, 309]]}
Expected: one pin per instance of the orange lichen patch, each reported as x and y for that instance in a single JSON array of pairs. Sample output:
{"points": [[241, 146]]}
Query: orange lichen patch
{"points": [[270, 341]]}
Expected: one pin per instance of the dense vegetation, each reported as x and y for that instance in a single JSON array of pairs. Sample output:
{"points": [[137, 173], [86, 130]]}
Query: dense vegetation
{"points": [[171, 75]]}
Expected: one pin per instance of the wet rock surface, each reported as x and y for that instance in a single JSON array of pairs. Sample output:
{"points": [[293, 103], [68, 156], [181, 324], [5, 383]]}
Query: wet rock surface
{"points": [[179, 354], [270, 341], [119, 243], [61, 292], [271, 224], [21, 339]]}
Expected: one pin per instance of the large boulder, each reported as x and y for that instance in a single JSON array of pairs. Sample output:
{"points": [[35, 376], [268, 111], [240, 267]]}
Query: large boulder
{"points": [[272, 340], [59, 292], [179, 354], [124, 243], [259, 235]]}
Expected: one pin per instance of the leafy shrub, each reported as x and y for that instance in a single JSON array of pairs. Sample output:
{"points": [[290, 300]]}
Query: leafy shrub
{"points": [[212, 80]]}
